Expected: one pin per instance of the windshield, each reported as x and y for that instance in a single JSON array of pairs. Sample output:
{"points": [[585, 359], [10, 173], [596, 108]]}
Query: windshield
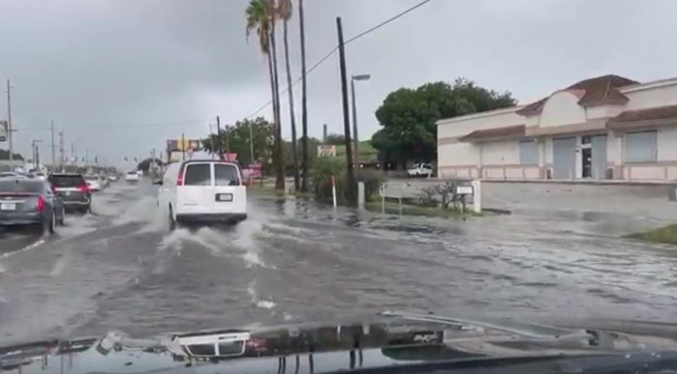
{"points": [[9, 186], [218, 165], [66, 180]]}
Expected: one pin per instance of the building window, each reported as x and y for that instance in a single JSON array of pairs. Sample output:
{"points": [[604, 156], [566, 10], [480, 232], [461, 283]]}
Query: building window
{"points": [[641, 146], [528, 152]]}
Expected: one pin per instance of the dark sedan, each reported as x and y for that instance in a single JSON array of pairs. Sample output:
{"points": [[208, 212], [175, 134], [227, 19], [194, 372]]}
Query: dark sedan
{"points": [[30, 202], [73, 190]]}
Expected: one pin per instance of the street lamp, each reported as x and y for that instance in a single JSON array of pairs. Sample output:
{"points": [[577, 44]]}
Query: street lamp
{"points": [[361, 77]]}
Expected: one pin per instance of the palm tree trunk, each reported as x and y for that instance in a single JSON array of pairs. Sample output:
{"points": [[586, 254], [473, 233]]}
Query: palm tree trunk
{"points": [[275, 109], [279, 162], [295, 157], [304, 103]]}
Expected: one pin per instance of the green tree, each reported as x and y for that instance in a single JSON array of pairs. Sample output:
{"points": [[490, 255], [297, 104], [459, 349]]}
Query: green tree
{"points": [[238, 139], [335, 139], [260, 16], [408, 116], [4, 155], [284, 10]]}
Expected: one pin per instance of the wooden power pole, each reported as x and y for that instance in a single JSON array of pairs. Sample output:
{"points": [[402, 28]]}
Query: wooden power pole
{"points": [[351, 191]]}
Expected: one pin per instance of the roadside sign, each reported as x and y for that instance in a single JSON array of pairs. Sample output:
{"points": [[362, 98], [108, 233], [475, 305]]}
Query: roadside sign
{"points": [[4, 127], [464, 190]]}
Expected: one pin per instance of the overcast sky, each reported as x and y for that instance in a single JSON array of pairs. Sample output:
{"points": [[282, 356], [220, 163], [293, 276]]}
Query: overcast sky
{"points": [[121, 76]]}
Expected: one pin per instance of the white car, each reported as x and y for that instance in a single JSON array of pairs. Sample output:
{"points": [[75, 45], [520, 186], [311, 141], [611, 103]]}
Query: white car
{"points": [[93, 183], [132, 177], [420, 170], [208, 191]]}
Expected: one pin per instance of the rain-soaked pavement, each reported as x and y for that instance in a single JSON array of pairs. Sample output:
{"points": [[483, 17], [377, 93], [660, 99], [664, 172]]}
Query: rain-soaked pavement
{"points": [[121, 268]]}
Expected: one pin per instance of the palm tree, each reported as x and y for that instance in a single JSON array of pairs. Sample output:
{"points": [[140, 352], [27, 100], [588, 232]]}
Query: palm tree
{"points": [[284, 10], [304, 109], [261, 18]]}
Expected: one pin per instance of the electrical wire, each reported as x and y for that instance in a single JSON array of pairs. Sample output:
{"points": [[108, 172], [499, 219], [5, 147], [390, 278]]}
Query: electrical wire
{"points": [[323, 59]]}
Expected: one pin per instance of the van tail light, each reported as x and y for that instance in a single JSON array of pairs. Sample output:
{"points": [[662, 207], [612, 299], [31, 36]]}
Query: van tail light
{"points": [[179, 179], [41, 203], [84, 188]]}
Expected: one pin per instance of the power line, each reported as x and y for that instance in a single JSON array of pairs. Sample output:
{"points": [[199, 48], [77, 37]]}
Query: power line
{"points": [[126, 126], [323, 59]]}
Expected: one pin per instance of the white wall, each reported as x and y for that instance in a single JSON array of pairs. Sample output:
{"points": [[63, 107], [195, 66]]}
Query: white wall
{"points": [[461, 126], [457, 154], [562, 109], [500, 153], [652, 97], [667, 144]]}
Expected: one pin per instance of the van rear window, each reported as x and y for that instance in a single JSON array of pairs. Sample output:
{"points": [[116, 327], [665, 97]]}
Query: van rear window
{"points": [[226, 175], [197, 175], [66, 180]]}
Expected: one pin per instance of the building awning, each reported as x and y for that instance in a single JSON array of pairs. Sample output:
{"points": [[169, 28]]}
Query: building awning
{"points": [[591, 126], [499, 133], [644, 118]]}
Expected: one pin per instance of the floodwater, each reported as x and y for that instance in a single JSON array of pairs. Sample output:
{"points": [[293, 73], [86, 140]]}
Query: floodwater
{"points": [[291, 261]]}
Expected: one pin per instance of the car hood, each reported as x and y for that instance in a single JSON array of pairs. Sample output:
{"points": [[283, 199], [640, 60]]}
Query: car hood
{"points": [[388, 339]]}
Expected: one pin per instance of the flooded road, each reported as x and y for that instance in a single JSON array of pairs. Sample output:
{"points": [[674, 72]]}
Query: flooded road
{"points": [[121, 268]]}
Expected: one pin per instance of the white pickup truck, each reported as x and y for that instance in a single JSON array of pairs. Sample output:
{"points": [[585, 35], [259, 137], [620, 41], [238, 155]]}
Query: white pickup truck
{"points": [[420, 170]]}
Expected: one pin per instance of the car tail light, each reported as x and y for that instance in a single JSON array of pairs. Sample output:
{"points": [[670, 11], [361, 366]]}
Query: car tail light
{"points": [[179, 179], [84, 188], [41, 203]]}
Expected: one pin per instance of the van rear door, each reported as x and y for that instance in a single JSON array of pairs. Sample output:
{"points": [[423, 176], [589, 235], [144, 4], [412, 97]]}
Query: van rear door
{"points": [[196, 194], [230, 196]]}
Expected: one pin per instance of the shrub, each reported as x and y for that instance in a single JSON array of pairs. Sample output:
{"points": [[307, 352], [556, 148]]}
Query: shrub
{"points": [[320, 176]]}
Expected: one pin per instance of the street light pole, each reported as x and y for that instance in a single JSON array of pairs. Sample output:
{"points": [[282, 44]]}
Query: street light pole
{"points": [[9, 125], [362, 77]]}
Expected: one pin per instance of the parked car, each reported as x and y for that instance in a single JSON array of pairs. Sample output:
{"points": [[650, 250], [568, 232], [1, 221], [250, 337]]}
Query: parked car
{"points": [[203, 191], [132, 177], [30, 202], [93, 182], [73, 190], [420, 170]]}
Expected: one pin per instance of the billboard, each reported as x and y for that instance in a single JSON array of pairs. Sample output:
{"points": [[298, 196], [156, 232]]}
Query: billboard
{"points": [[183, 145], [326, 150]]}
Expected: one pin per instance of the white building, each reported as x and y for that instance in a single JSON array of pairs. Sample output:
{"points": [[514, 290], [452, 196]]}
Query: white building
{"points": [[607, 127]]}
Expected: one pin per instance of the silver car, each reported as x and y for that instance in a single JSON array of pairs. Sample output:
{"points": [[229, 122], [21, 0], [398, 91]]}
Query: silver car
{"points": [[30, 202]]}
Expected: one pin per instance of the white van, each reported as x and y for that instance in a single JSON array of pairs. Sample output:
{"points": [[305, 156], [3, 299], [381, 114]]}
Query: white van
{"points": [[203, 191]]}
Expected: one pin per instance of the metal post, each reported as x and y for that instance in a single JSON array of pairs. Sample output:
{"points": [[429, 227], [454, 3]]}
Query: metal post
{"points": [[183, 146], [355, 139], [477, 196], [333, 190], [360, 195]]}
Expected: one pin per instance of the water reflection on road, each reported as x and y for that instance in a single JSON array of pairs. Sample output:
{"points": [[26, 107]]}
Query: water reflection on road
{"points": [[295, 260]]}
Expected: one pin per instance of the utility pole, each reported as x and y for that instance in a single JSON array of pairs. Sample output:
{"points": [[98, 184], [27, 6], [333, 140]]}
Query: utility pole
{"points": [[304, 102], [86, 157], [351, 190], [251, 144], [183, 147], [61, 151], [227, 142], [218, 136], [9, 124], [53, 146], [73, 160], [356, 141]]}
